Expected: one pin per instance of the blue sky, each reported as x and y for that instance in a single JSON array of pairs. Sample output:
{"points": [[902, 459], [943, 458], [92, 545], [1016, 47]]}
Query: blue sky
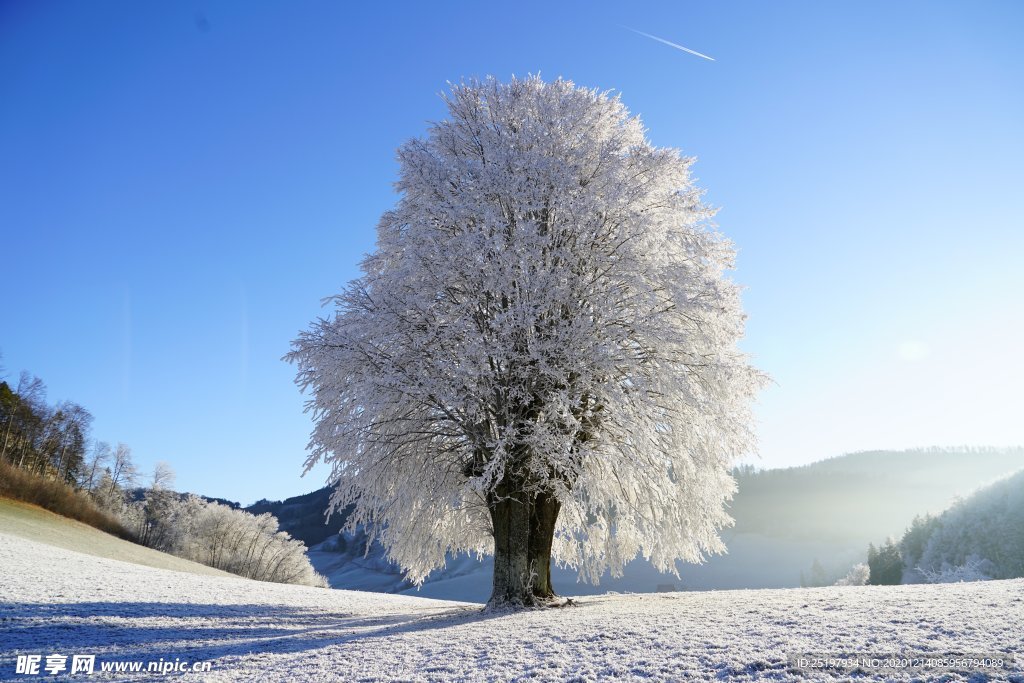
{"points": [[181, 183]]}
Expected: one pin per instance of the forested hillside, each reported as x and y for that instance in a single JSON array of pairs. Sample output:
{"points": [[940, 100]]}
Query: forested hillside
{"points": [[304, 517], [979, 537]]}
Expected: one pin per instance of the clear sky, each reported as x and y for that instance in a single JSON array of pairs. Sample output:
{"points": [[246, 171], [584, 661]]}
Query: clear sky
{"points": [[181, 183]]}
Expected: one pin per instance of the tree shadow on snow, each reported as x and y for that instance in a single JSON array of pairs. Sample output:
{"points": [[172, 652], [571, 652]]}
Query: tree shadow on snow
{"points": [[150, 630]]}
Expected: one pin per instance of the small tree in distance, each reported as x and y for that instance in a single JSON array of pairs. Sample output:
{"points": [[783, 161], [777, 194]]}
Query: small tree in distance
{"points": [[540, 358], [885, 564]]}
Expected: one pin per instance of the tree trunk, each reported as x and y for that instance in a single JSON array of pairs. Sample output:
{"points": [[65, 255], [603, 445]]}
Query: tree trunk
{"points": [[60, 460], [510, 517], [524, 527], [543, 515], [7, 434]]}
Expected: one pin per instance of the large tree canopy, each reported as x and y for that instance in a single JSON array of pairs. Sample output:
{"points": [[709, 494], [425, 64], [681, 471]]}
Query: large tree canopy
{"points": [[540, 358]]}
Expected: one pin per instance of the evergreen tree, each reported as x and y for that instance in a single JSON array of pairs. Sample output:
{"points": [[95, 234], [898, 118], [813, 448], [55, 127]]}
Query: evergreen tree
{"points": [[885, 564]]}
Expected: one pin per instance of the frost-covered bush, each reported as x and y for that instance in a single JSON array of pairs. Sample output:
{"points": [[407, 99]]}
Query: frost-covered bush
{"points": [[109, 496], [245, 544], [250, 546], [975, 569], [221, 537], [858, 576]]}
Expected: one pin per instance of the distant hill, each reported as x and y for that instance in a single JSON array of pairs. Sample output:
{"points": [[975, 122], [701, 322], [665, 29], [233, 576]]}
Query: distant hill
{"points": [[785, 519], [863, 496], [139, 493], [304, 517]]}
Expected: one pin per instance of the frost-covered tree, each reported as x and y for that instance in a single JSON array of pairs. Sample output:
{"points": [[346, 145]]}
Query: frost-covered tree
{"points": [[123, 471], [246, 544], [93, 468], [163, 476], [857, 576], [540, 357]]}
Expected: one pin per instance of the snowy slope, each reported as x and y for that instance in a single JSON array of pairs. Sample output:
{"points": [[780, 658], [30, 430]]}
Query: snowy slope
{"points": [[56, 601], [35, 523]]}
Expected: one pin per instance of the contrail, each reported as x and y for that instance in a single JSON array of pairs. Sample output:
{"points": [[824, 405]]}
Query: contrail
{"points": [[671, 44]]}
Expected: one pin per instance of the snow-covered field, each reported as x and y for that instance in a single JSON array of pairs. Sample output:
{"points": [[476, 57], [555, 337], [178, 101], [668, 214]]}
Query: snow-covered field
{"points": [[57, 601]]}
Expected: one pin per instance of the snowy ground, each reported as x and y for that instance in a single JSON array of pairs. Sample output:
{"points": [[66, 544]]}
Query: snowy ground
{"points": [[57, 601]]}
